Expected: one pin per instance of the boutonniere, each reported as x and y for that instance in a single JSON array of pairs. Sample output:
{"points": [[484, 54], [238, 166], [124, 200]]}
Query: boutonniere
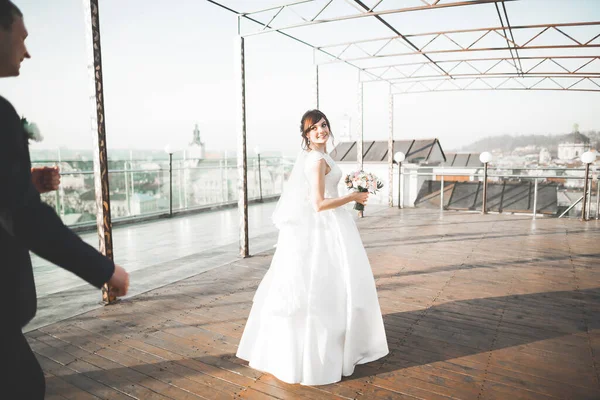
{"points": [[31, 130]]}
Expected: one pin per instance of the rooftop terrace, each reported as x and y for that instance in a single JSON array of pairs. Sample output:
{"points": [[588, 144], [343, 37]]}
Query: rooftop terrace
{"points": [[475, 306]]}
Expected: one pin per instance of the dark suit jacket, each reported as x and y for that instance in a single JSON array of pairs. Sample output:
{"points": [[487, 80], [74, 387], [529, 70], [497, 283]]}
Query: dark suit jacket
{"points": [[26, 223]]}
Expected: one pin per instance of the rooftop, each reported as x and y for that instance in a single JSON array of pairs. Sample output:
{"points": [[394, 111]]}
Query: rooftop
{"points": [[577, 137], [416, 150], [464, 320]]}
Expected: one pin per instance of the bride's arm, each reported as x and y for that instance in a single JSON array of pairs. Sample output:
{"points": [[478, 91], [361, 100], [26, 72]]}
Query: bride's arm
{"points": [[319, 202]]}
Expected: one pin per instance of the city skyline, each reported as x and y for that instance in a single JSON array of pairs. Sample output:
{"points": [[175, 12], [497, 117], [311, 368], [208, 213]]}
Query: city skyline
{"points": [[167, 68]]}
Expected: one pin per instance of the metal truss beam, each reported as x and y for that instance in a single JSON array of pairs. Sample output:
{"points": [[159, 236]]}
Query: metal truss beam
{"points": [[425, 78], [517, 61], [533, 72], [497, 61], [390, 27], [447, 71], [367, 13], [288, 35], [511, 44], [444, 84]]}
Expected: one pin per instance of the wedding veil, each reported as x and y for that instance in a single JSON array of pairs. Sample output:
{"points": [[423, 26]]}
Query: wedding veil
{"points": [[293, 207]]}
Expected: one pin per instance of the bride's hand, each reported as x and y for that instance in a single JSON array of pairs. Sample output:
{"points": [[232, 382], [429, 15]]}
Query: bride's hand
{"points": [[361, 197]]}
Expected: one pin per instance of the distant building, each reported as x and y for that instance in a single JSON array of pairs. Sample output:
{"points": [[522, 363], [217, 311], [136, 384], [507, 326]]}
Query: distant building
{"points": [[419, 154], [464, 165], [145, 204], [118, 203], [573, 147], [525, 150], [196, 149], [545, 156]]}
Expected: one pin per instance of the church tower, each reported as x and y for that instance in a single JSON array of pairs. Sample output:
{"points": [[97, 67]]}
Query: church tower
{"points": [[196, 149]]}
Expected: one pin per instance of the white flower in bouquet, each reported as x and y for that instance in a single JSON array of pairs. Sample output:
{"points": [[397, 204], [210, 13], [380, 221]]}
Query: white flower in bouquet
{"points": [[362, 182], [31, 130]]}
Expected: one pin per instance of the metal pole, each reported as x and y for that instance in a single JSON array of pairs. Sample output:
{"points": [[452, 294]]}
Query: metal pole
{"points": [[442, 193], [391, 149], [242, 160], [103, 217], [400, 185], [57, 193], [598, 196], [170, 184], [259, 180], [589, 207], [60, 193], [127, 195], [282, 173], [185, 173], [570, 207], [131, 180], [316, 76], [222, 173], [535, 194], [179, 187], [585, 189], [226, 166], [485, 174], [359, 140]]}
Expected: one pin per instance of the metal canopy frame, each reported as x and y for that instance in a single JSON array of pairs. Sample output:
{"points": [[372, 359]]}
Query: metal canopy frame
{"points": [[501, 57], [432, 62], [507, 72]]}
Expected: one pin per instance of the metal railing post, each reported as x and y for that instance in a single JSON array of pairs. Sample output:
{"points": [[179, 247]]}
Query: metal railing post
{"points": [[179, 187], [485, 179], [598, 196], [400, 185], [535, 194], [570, 207], [442, 193], [170, 184], [57, 198], [127, 165], [585, 192], [259, 180], [589, 207]]}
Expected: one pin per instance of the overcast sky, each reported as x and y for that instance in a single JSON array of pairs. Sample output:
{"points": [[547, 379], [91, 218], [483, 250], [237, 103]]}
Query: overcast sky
{"points": [[170, 64]]}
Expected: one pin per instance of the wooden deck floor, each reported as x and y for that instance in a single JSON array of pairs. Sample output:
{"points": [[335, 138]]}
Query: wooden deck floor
{"points": [[475, 307]]}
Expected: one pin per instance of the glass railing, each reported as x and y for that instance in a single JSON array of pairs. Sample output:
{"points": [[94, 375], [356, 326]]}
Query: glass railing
{"points": [[140, 189], [554, 192], [548, 191]]}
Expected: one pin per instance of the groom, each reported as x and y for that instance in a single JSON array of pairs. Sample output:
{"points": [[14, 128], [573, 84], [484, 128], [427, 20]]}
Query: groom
{"points": [[26, 223]]}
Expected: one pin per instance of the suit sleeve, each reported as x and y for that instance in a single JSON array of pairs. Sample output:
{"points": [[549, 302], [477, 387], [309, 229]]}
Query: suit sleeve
{"points": [[33, 223]]}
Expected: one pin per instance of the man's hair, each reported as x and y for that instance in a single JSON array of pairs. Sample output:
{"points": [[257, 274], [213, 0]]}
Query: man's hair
{"points": [[8, 11]]}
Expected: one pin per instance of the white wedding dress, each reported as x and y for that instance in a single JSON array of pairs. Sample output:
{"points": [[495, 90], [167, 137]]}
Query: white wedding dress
{"points": [[316, 314]]}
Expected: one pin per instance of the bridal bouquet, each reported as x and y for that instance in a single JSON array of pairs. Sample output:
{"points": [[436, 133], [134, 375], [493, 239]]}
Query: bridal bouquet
{"points": [[362, 182]]}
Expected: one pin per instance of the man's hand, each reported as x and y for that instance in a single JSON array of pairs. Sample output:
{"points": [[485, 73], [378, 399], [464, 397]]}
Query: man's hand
{"points": [[119, 282], [45, 179]]}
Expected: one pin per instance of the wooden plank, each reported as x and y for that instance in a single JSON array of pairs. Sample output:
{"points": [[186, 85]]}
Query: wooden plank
{"points": [[61, 389], [84, 383]]}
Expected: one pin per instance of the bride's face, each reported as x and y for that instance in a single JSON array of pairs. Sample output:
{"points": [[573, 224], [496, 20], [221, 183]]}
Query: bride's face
{"points": [[319, 132]]}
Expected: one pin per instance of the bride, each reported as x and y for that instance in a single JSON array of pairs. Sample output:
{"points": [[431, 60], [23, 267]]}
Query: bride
{"points": [[315, 314]]}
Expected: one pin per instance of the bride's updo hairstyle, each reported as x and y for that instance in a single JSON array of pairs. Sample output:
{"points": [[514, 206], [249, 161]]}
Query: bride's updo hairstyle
{"points": [[309, 119]]}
